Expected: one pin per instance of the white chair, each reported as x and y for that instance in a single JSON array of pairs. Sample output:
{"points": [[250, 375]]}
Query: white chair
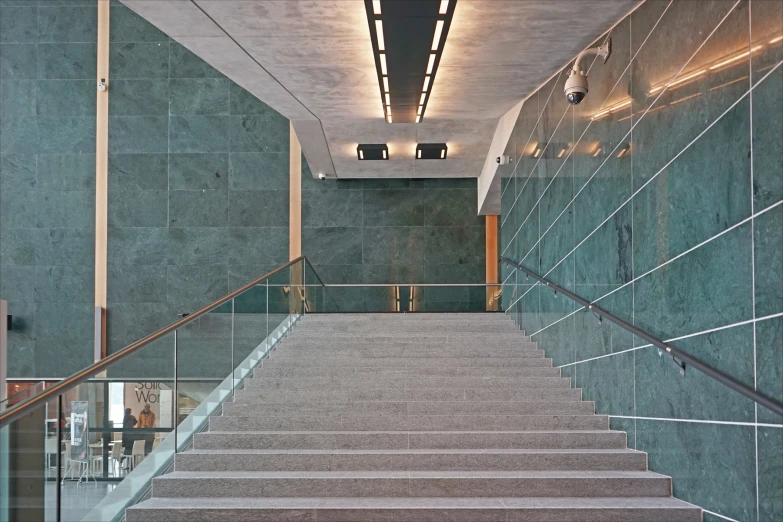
{"points": [[137, 453], [50, 447], [115, 458]]}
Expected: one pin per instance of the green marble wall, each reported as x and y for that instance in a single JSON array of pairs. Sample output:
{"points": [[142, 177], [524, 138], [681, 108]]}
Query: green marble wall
{"points": [[198, 195], [395, 231], [681, 234], [47, 189]]}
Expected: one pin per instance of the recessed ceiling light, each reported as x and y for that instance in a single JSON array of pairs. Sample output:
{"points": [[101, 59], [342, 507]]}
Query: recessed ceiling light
{"points": [[385, 84], [368, 152], [388, 118], [423, 97], [376, 7], [431, 151], [418, 118], [426, 83], [431, 64], [383, 64], [436, 38], [444, 6], [388, 100], [379, 35], [419, 110]]}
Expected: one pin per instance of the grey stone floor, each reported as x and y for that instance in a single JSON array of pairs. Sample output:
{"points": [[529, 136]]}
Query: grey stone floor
{"points": [[77, 500]]}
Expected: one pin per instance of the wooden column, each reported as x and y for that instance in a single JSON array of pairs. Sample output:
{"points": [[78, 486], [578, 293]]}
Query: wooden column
{"points": [[295, 219], [295, 197], [493, 292], [101, 179]]}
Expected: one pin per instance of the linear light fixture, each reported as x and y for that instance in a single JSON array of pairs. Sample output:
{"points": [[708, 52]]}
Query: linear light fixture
{"points": [[368, 151], [735, 58], [776, 40], [379, 35], [431, 64], [431, 151], [436, 38], [408, 39]]}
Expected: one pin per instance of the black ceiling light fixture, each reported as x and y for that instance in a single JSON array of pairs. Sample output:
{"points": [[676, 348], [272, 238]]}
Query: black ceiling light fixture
{"points": [[408, 37], [372, 152], [431, 151]]}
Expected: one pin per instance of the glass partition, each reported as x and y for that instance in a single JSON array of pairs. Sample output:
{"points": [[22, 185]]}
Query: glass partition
{"points": [[410, 298], [89, 450]]}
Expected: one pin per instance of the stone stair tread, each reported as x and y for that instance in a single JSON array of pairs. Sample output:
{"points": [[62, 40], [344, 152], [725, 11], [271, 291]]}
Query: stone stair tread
{"points": [[408, 451], [473, 432], [415, 503], [598, 475]]}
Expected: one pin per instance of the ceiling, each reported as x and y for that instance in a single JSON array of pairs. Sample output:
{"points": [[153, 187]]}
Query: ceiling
{"points": [[312, 60]]}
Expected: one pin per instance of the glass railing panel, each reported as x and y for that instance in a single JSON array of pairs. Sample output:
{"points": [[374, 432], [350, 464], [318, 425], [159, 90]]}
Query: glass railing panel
{"points": [[387, 298], [29, 459]]}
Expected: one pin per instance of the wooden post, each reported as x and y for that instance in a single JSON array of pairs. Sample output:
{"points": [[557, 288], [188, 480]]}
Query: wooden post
{"points": [[493, 292], [102, 176]]}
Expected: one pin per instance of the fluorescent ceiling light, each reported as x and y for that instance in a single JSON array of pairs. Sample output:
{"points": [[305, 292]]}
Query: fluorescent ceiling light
{"points": [[423, 97], [420, 109], [379, 35], [361, 154], [444, 6], [436, 38], [418, 119], [376, 7], [384, 154], [388, 118], [385, 84], [383, 64], [388, 101], [431, 64], [426, 83], [418, 153], [442, 154]]}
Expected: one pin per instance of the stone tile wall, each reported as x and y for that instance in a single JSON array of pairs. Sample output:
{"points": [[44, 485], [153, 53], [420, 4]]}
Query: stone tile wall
{"points": [[666, 209]]}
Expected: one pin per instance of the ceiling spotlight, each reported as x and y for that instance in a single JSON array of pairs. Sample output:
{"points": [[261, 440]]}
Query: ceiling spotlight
{"points": [[372, 151], [431, 151]]}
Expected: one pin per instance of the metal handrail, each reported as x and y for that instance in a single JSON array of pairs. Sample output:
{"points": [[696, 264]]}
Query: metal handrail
{"points": [[718, 375], [66, 384]]}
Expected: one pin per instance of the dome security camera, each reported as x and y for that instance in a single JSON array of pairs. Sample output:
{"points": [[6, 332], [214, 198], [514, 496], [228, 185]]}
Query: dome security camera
{"points": [[576, 84], [322, 176], [502, 160]]}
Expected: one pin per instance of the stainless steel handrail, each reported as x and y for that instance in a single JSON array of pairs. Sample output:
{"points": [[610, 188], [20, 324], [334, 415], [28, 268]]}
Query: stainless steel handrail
{"points": [[66, 384], [718, 375]]}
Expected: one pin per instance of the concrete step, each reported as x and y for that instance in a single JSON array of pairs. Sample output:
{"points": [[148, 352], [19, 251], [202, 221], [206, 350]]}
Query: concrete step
{"points": [[413, 408], [265, 395], [327, 359], [295, 383], [371, 349], [478, 327], [656, 509], [424, 335], [411, 460], [601, 439], [343, 372], [349, 422], [253, 484]]}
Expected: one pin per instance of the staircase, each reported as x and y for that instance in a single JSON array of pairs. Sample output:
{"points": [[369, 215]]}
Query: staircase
{"points": [[410, 417]]}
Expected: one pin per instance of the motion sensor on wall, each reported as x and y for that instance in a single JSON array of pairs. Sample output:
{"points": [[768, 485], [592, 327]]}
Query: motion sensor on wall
{"points": [[576, 84]]}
